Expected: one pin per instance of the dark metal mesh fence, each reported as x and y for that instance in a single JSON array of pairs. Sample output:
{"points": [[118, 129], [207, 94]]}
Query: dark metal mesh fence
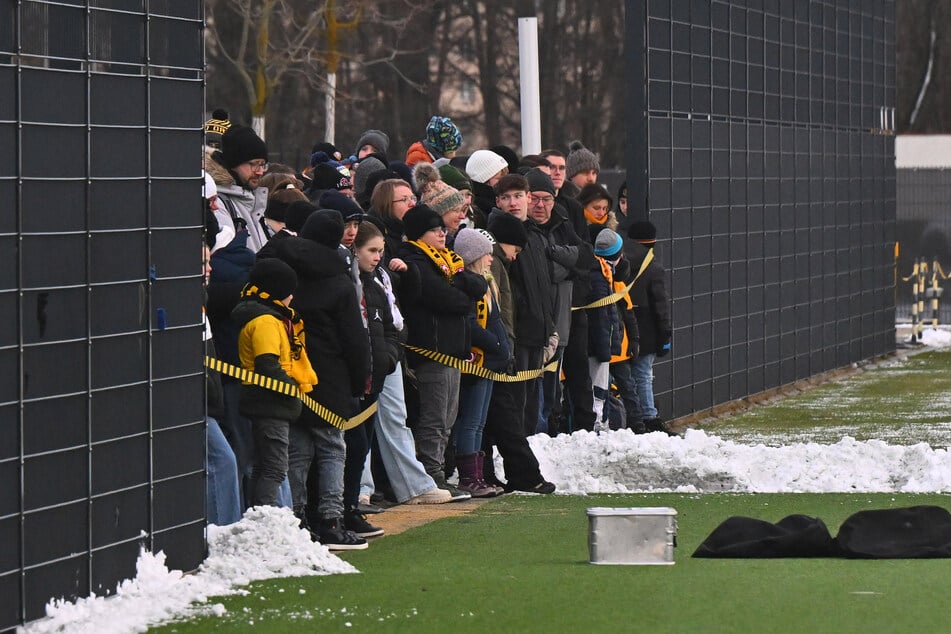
{"points": [[102, 436], [772, 185]]}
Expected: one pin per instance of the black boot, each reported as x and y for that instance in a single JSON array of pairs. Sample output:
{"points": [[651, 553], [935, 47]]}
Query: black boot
{"points": [[335, 536], [301, 514], [658, 424]]}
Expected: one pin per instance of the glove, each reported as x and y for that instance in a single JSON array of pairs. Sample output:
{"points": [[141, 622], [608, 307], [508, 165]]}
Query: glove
{"points": [[663, 350]]}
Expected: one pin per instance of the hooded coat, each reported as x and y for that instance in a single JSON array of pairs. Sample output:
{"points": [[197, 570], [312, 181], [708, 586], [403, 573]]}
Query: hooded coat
{"points": [[337, 342], [242, 204], [651, 301]]}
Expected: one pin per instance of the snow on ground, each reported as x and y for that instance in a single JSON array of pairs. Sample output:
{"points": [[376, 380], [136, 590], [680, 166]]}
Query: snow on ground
{"points": [[267, 543]]}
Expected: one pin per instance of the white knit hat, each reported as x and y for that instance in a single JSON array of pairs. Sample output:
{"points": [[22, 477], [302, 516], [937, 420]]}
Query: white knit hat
{"points": [[484, 164]]}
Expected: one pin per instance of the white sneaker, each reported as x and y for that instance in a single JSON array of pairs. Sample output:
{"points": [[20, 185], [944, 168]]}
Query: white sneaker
{"points": [[433, 496], [364, 499]]}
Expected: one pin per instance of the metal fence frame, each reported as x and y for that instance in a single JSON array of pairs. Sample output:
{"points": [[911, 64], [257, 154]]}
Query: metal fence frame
{"points": [[102, 433]]}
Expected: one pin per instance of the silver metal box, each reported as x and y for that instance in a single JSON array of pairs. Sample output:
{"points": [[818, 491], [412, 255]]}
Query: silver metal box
{"points": [[632, 536]]}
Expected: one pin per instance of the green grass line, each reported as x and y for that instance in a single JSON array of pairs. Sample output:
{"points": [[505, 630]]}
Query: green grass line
{"points": [[519, 564]]}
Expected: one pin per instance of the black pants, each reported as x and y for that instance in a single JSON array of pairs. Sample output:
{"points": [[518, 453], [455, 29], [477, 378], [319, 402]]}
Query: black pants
{"points": [[505, 426], [577, 381], [359, 439]]}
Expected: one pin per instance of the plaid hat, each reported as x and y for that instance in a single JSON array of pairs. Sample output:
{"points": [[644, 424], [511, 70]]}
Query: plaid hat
{"points": [[608, 244], [274, 277], [240, 144], [484, 164], [439, 196], [443, 135], [419, 220], [472, 244], [377, 138], [216, 126], [581, 159], [508, 229]]}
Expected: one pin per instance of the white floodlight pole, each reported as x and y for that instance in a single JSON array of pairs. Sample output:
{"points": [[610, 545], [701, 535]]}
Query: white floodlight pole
{"points": [[528, 84]]}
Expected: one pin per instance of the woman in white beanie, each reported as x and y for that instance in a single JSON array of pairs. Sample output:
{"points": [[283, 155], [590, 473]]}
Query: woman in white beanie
{"points": [[485, 168]]}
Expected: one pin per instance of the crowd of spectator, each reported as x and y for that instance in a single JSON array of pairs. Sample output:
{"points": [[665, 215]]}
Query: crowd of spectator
{"points": [[437, 289]]}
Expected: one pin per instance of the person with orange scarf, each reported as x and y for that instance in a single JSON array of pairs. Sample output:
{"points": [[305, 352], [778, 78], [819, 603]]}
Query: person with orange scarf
{"points": [[597, 204], [436, 319]]}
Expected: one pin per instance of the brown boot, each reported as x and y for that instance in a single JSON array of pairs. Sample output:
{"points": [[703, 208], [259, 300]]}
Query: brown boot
{"points": [[480, 465]]}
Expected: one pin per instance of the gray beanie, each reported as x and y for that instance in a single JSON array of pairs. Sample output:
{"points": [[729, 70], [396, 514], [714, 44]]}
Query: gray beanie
{"points": [[581, 159], [472, 244], [608, 244], [367, 166], [377, 138]]}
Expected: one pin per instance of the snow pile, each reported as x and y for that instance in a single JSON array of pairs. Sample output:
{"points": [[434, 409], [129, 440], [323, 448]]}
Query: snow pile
{"points": [[267, 543], [622, 462], [936, 338]]}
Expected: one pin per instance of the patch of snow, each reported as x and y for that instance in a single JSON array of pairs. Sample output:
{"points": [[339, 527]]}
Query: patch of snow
{"points": [[266, 543]]}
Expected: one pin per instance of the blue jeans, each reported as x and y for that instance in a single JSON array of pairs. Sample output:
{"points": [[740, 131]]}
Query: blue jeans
{"points": [[644, 379], [474, 400], [322, 446], [397, 443], [223, 499], [623, 374]]}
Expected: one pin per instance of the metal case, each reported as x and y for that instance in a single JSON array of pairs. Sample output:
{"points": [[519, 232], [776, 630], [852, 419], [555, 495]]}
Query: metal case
{"points": [[632, 536]]}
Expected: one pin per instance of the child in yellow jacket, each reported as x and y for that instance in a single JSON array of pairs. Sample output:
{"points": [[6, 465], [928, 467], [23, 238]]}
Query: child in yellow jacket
{"points": [[271, 343]]}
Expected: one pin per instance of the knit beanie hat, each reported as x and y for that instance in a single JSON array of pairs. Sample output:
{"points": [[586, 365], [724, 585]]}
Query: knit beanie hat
{"points": [[581, 159], [591, 192], [326, 176], [443, 135], [324, 226], [439, 196], [277, 204], [539, 181], [376, 177], [419, 220], [402, 170], [454, 177], [484, 164], [511, 158], [608, 244], [508, 229], [643, 231], [240, 144], [366, 167], [622, 190], [274, 277], [297, 213], [472, 244], [327, 148], [348, 207], [216, 126], [210, 188], [377, 138]]}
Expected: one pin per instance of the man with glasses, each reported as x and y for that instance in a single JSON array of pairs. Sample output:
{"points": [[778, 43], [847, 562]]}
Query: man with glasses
{"points": [[558, 172], [237, 169], [571, 258]]}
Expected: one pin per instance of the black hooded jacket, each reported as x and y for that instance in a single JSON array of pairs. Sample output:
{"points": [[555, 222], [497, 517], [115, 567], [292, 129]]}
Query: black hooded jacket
{"points": [[337, 342], [651, 301]]}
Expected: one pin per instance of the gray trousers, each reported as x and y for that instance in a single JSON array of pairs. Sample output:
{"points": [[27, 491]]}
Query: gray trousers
{"points": [[438, 406], [270, 459], [322, 446]]}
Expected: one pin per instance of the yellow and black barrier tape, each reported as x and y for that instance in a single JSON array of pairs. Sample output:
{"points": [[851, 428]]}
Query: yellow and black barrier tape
{"points": [[614, 297], [269, 383], [467, 367]]}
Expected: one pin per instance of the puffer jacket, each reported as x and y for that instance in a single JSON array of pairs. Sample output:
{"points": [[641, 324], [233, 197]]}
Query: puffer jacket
{"points": [[604, 328], [229, 273], [384, 337], [491, 340]]}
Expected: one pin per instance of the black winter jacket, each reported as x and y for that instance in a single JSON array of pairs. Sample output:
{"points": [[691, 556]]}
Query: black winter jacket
{"points": [[436, 316], [384, 338], [337, 342], [492, 340], [651, 301], [230, 266]]}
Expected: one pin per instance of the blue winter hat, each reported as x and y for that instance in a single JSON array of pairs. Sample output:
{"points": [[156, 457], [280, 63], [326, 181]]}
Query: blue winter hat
{"points": [[608, 244], [443, 135]]}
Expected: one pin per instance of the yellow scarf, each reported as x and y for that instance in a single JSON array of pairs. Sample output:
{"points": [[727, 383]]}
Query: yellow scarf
{"points": [[444, 259], [596, 221]]}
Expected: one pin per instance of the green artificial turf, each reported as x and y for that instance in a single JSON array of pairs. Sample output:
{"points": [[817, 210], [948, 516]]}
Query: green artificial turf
{"points": [[900, 401], [520, 564]]}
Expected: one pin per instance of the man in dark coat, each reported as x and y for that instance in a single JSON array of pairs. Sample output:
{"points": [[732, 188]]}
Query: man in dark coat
{"points": [[339, 349], [513, 410], [652, 310]]}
